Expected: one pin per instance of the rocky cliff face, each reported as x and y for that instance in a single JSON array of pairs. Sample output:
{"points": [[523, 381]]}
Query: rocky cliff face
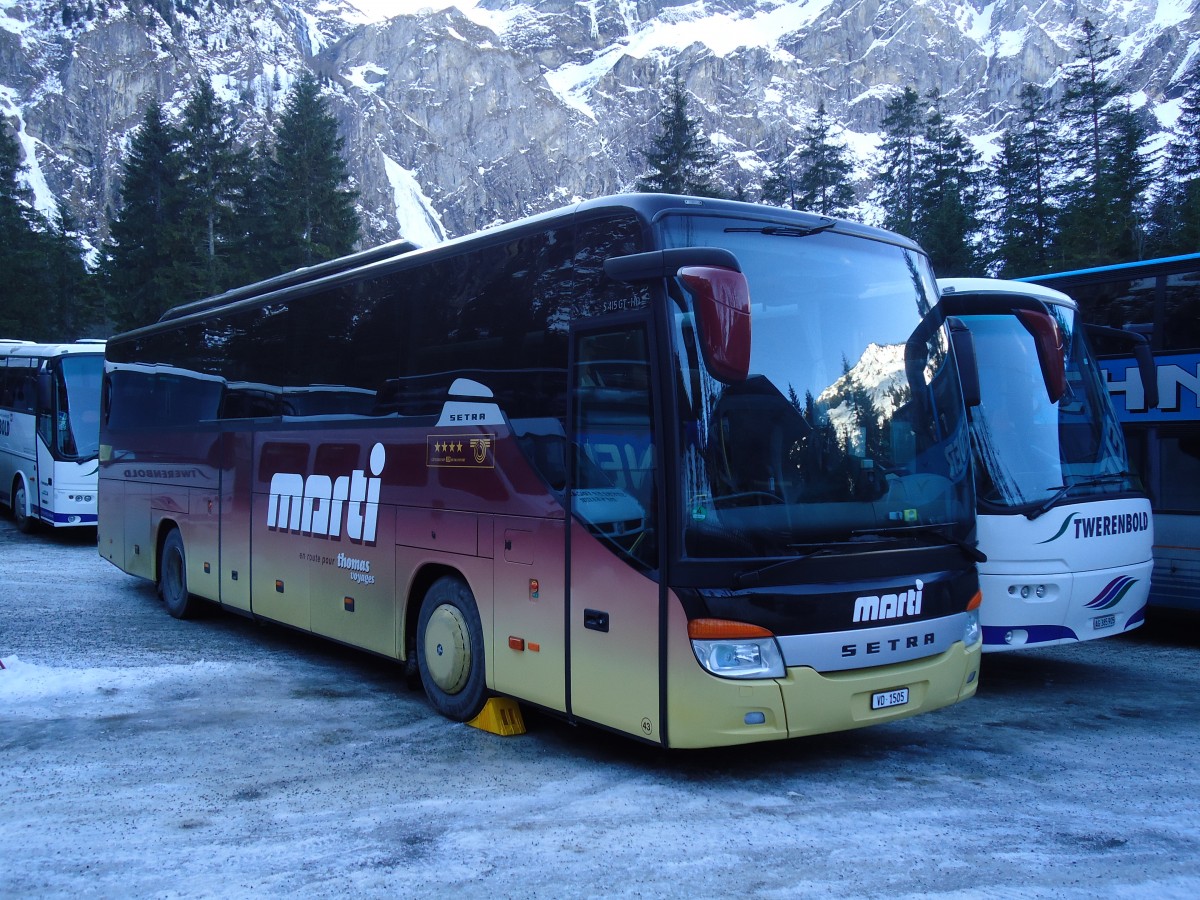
{"points": [[455, 119]]}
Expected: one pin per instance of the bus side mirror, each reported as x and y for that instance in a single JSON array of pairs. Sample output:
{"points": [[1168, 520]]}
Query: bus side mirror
{"points": [[968, 363], [45, 390], [1147, 368], [721, 299], [1050, 351]]}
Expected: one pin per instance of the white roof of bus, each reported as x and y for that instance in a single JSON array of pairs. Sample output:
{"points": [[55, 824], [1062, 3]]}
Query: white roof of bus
{"points": [[999, 286], [29, 348]]}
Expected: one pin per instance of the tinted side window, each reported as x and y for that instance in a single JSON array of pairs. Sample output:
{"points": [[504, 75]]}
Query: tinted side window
{"points": [[592, 293], [18, 383]]}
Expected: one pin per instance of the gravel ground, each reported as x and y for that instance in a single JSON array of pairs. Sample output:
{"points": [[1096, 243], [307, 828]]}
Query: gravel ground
{"points": [[142, 756]]}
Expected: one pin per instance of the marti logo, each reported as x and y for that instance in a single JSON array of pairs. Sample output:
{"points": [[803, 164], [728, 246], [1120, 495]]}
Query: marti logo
{"points": [[889, 606], [318, 504]]}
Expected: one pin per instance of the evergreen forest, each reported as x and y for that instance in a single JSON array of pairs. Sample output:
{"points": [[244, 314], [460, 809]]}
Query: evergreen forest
{"points": [[1073, 183]]}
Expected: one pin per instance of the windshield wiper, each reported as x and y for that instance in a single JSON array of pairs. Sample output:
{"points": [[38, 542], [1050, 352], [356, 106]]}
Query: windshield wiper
{"points": [[930, 534], [1063, 490], [786, 230], [752, 577], [855, 543]]}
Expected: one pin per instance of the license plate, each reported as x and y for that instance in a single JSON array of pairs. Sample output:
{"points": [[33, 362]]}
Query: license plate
{"points": [[1103, 622], [894, 697]]}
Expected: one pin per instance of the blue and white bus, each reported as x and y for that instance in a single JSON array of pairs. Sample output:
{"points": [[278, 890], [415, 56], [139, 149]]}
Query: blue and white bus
{"points": [[1066, 527], [50, 431], [1160, 297]]}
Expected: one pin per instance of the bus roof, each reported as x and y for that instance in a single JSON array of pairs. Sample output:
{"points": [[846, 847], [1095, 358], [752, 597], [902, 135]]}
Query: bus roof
{"points": [[1165, 265], [302, 275], [41, 351], [997, 287], [401, 254]]}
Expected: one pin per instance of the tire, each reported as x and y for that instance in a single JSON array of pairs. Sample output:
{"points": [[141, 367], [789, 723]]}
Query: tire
{"points": [[450, 650], [25, 523], [172, 578]]}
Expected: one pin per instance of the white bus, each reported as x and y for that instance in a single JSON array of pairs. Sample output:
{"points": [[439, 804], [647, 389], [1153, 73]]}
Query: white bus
{"points": [[1065, 525], [50, 431]]}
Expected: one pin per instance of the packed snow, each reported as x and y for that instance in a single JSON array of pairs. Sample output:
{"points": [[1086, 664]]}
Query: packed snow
{"points": [[144, 756]]}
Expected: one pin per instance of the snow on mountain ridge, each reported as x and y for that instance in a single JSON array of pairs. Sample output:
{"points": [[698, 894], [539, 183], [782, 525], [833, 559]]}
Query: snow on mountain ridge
{"points": [[495, 108]]}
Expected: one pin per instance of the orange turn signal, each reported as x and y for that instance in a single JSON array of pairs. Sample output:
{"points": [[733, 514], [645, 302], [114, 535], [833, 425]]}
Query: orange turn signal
{"points": [[724, 630], [975, 601]]}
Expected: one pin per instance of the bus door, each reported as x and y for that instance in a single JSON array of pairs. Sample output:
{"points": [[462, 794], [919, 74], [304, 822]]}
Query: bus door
{"points": [[236, 477], [614, 610], [283, 558]]}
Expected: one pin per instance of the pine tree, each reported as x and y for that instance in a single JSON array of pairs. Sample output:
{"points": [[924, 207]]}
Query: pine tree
{"points": [[1126, 181], [212, 171], [949, 195], [681, 158], [73, 301], [251, 252], [20, 309], [1101, 215], [781, 185], [896, 178], [824, 181], [314, 214], [1087, 94], [1175, 218], [46, 292], [1025, 181], [145, 258]]}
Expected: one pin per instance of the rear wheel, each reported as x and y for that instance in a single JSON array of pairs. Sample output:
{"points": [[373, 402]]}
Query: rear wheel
{"points": [[25, 522], [450, 650], [172, 578]]}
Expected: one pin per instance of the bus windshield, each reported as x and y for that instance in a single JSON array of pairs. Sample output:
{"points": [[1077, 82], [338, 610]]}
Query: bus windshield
{"points": [[848, 425], [76, 416], [1033, 451]]}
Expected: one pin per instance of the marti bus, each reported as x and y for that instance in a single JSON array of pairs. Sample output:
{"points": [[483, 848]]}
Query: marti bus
{"points": [[1065, 525], [50, 431], [696, 471]]}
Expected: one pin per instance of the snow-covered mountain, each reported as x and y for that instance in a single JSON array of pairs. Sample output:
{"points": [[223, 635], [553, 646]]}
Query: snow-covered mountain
{"points": [[458, 114], [878, 377]]}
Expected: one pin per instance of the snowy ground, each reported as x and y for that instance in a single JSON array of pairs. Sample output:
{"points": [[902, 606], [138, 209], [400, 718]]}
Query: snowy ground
{"points": [[141, 756]]}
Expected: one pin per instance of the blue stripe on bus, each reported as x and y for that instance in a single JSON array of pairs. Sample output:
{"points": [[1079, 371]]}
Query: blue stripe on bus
{"points": [[44, 515], [1137, 618], [993, 635]]}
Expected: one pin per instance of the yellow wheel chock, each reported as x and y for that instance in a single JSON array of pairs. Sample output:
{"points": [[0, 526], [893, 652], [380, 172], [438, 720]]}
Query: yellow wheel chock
{"points": [[500, 715]]}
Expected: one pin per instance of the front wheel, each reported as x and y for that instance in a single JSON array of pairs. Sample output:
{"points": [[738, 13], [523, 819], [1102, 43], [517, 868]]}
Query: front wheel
{"points": [[25, 522], [450, 650], [172, 578]]}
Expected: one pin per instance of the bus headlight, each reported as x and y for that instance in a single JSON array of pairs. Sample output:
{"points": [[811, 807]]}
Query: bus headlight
{"points": [[972, 633], [735, 649]]}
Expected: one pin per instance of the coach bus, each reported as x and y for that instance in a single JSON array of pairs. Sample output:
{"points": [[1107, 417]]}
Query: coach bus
{"points": [[1063, 522], [1161, 298], [694, 471], [50, 431]]}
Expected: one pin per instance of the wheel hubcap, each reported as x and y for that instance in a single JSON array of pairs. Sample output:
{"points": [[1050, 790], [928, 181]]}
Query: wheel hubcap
{"points": [[448, 649]]}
